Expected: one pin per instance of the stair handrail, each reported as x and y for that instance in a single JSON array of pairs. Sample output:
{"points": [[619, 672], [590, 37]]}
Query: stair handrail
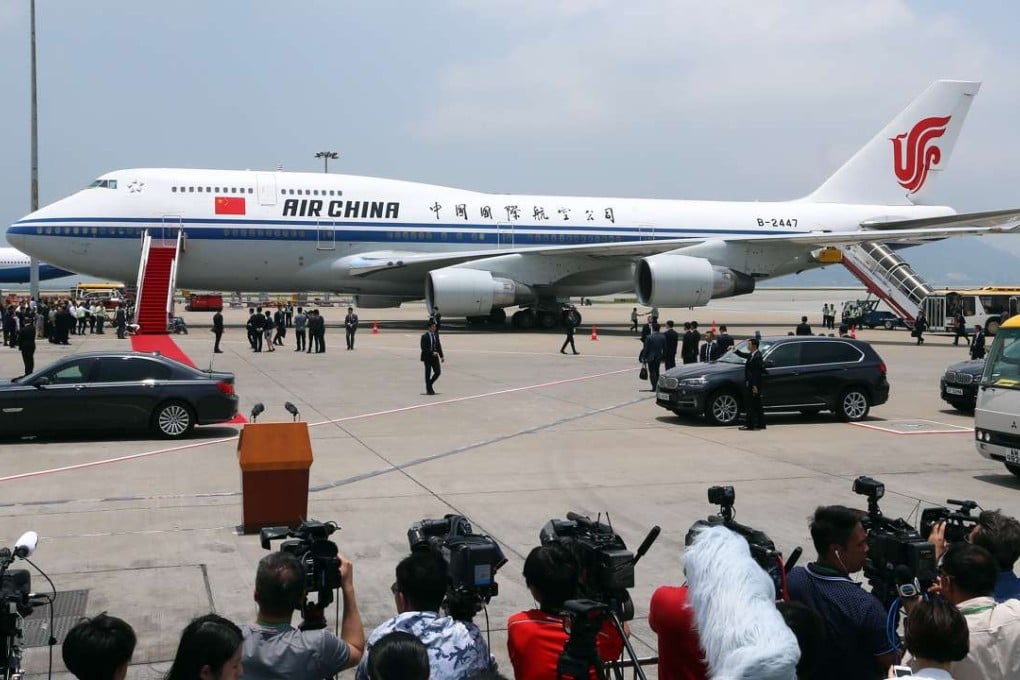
{"points": [[173, 275], [146, 244]]}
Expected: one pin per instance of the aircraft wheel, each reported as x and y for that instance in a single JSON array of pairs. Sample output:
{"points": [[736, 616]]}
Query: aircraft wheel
{"points": [[547, 320], [497, 317], [523, 320]]}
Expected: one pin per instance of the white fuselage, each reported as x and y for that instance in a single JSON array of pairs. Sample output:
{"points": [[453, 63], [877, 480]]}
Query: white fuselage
{"points": [[280, 231]]}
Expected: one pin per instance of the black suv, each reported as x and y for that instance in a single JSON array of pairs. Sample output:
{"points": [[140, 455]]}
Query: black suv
{"points": [[804, 373], [959, 384]]}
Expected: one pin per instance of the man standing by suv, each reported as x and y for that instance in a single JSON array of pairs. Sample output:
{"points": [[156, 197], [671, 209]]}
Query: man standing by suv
{"points": [[754, 372]]}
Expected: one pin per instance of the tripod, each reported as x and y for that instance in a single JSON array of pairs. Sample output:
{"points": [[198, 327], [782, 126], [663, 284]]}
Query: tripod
{"points": [[580, 654]]}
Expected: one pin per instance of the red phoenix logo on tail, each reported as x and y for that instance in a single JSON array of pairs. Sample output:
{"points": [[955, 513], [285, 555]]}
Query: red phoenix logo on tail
{"points": [[914, 158]]}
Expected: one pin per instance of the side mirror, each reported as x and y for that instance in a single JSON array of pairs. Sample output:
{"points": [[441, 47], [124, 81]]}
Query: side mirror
{"points": [[41, 382], [769, 363]]}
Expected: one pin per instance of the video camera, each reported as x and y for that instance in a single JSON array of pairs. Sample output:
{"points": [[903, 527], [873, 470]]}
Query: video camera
{"points": [[606, 566], [15, 603], [958, 524], [318, 555], [894, 547], [472, 561], [763, 550]]}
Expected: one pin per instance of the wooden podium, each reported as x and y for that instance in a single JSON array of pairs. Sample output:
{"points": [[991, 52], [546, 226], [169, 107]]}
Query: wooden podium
{"points": [[275, 459]]}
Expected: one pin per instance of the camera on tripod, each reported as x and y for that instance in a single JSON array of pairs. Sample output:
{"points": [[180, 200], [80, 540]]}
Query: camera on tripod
{"points": [[893, 544], [472, 561], [959, 523], [605, 565], [15, 603], [319, 556], [763, 549]]}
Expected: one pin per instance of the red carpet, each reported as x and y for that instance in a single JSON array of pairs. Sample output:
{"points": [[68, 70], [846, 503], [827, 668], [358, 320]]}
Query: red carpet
{"points": [[165, 345]]}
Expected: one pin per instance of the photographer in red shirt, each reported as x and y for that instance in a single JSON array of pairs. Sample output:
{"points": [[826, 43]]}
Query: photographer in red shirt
{"points": [[535, 638]]}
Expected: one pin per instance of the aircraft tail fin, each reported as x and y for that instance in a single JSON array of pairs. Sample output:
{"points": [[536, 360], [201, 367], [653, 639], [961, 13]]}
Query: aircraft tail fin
{"points": [[901, 163]]}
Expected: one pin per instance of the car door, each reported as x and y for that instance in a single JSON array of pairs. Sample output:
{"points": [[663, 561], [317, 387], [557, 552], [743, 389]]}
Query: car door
{"points": [[827, 367], [126, 389], [62, 403], [782, 366]]}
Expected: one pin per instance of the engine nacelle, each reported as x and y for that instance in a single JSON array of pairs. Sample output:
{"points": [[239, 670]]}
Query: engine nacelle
{"points": [[671, 280], [469, 292]]}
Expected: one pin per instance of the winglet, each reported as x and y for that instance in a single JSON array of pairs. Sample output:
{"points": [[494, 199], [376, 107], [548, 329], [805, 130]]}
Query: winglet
{"points": [[901, 163]]}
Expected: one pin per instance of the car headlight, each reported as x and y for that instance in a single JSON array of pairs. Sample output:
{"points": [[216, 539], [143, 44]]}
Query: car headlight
{"points": [[700, 381]]}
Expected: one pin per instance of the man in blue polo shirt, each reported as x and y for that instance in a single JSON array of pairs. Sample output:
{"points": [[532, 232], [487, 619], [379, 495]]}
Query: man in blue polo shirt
{"points": [[856, 646]]}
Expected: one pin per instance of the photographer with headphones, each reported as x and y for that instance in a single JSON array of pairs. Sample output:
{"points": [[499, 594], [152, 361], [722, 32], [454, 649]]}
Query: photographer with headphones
{"points": [[856, 645]]}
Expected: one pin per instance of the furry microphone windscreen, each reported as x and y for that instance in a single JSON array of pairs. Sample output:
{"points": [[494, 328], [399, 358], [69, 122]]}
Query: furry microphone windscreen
{"points": [[743, 634]]}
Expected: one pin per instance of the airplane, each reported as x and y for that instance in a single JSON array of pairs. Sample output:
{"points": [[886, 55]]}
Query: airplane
{"points": [[14, 268], [475, 254]]}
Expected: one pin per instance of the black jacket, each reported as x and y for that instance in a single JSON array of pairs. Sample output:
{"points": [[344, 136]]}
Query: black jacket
{"points": [[426, 346], [672, 342]]}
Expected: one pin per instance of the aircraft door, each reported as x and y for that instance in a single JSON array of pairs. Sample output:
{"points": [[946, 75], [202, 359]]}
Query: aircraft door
{"points": [[169, 230], [266, 188], [504, 235], [646, 232], [325, 236]]}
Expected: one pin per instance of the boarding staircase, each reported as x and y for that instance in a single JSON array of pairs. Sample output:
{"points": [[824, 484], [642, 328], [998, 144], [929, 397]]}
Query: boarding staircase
{"points": [[887, 276], [157, 276]]}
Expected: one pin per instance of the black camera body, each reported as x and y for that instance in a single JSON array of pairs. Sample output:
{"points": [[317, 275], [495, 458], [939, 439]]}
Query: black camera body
{"points": [[959, 523], [319, 556], [472, 561], [892, 543], [763, 549], [606, 566]]}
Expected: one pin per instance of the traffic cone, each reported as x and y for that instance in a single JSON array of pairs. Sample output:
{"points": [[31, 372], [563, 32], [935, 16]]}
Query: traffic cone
{"points": [[375, 328], [594, 333], [853, 332]]}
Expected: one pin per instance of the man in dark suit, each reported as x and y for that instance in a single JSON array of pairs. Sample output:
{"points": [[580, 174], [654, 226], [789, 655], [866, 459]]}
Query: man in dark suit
{"points": [[217, 329], [655, 348], [689, 344], [977, 343], [723, 342], [350, 326], [754, 371], [803, 328], [709, 349], [431, 356], [568, 326], [672, 342]]}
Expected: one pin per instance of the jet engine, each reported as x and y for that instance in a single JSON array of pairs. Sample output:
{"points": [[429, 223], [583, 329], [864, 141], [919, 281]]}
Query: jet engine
{"points": [[672, 280], [470, 292]]}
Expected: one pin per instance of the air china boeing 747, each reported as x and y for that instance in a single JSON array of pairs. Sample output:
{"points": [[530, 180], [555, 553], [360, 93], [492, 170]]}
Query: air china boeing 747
{"points": [[474, 254]]}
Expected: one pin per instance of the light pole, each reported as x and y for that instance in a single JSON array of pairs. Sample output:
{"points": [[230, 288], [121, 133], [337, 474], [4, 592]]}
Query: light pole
{"points": [[33, 269], [326, 156]]}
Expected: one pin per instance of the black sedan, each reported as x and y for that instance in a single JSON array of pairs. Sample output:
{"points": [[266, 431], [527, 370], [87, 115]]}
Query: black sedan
{"points": [[803, 373], [959, 384], [116, 391]]}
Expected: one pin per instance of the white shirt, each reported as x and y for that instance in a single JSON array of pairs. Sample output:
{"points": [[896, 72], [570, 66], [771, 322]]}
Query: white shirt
{"points": [[994, 640], [937, 673]]}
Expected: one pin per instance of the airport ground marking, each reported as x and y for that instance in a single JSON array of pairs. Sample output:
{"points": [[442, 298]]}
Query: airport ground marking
{"points": [[947, 428], [361, 416]]}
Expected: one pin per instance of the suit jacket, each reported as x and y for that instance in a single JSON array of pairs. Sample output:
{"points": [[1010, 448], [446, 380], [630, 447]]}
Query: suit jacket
{"points": [[426, 346], [655, 347], [217, 322], [709, 352], [689, 344], [568, 326], [754, 370], [723, 343], [672, 341]]}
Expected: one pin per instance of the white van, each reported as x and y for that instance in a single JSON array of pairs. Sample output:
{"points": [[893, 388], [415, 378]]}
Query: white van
{"points": [[997, 416]]}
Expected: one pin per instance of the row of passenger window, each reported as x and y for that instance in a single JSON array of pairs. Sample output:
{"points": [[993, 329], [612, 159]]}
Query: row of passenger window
{"points": [[310, 192], [213, 190]]}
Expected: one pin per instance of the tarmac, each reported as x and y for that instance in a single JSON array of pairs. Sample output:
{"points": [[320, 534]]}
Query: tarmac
{"points": [[518, 434]]}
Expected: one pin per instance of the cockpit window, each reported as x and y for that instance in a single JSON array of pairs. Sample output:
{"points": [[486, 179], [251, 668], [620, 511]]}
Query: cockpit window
{"points": [[104, 184]]}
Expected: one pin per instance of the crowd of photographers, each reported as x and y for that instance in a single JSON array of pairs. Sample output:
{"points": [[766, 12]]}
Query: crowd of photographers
{"points": [[743, 612]]}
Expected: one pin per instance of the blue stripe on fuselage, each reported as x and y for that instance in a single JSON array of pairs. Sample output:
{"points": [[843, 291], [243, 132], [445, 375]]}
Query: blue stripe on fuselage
{"points": [[23, 275]]}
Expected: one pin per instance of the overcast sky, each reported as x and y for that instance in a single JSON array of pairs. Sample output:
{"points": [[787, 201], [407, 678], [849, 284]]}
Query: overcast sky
{"points": [[671, 99]]}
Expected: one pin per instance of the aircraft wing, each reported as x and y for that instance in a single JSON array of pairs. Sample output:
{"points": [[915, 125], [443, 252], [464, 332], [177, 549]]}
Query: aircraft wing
{"points": [[900, 231]]}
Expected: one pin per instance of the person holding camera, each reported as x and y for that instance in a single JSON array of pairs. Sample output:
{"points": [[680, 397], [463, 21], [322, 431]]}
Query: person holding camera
{"points": [[457, 650], [99, 648], [536, 637], [275, 649], [999, 534], [856, 645], [967, 575]]}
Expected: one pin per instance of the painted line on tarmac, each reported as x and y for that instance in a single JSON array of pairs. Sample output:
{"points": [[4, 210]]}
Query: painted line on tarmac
{"points": [[915, 428], [374, 414]]}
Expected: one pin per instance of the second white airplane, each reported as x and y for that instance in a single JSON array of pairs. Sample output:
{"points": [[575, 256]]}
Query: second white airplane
{"points": [[474, 254]]}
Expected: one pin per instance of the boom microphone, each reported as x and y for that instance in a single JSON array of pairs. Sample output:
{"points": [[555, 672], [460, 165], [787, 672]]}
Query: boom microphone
{"points": [[647, 543], [26, 545]]}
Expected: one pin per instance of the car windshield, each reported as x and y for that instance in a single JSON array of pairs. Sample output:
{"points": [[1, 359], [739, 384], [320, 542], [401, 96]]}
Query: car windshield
{"points": [[1002, 367], [732, 357]]}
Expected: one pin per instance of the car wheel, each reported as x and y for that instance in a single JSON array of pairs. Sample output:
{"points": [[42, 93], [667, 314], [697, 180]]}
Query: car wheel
{"points": [[888, 324], [1014, 468], [173, 419], [962, 406], [853, 405], [722, 408]]}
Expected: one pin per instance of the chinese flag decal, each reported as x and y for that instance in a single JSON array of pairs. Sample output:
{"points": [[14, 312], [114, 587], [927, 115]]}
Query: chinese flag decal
{"points": [[230, 205]]}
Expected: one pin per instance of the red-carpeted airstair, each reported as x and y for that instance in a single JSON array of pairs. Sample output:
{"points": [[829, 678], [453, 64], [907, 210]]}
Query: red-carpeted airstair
{"points": [[156, 285]]}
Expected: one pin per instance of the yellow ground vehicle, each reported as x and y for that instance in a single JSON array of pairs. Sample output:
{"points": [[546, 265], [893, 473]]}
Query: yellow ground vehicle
{"points": [[997, 416]]}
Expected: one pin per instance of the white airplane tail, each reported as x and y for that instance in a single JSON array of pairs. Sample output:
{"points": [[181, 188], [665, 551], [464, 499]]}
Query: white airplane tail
{"points": [[899, 165]]}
